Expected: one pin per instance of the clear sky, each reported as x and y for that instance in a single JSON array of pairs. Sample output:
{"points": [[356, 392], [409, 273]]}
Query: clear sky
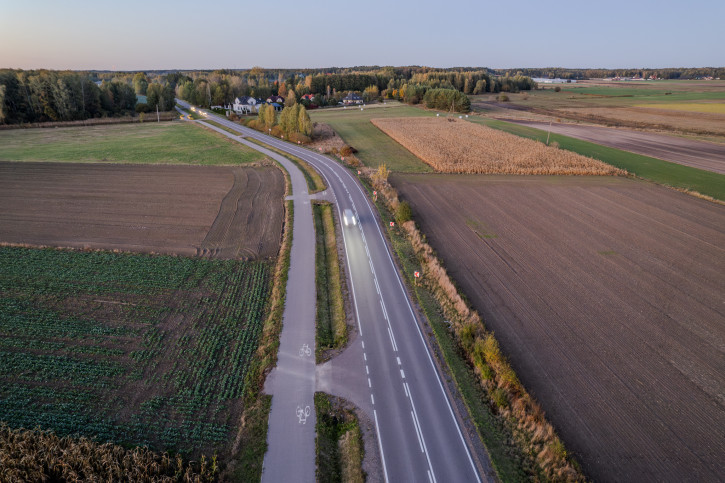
{"points": [[198, 34]]}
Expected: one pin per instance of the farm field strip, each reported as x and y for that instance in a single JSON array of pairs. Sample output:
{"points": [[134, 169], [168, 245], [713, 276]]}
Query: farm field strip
{"points": [[607, 303], [224, 212], [135, 349]]}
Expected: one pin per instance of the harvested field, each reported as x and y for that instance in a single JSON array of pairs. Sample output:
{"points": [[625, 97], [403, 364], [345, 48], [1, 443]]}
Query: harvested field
{"points": [[457, 146], [222, 212], [652, 118], [607, 295], [698, 154]]}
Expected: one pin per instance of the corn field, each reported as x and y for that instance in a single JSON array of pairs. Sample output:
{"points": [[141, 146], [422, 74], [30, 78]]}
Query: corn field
{"points": [[43, 456], [457, 146], [132, 349]]}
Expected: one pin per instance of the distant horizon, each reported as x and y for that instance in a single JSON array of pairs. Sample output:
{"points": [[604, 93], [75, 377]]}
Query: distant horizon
{"points": [[364, 66], [141, 35]]}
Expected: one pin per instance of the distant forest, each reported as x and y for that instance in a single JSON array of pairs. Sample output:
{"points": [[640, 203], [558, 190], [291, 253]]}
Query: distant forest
{"points": [[46, 95]]}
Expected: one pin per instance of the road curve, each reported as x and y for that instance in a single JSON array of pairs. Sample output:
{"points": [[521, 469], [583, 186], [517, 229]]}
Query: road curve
{"points": [[688, 152], [419, 437]]}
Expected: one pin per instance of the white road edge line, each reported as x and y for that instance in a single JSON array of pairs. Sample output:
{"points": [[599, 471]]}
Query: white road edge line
{"points": [[380, 443]]}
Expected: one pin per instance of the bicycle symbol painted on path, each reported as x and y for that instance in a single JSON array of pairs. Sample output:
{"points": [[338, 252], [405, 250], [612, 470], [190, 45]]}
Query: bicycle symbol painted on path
{"points": [[305, 351], [303, 414]]}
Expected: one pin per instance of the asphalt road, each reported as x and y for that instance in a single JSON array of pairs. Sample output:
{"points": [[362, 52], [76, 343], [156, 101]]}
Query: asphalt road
{"points": [[418, 435], [698, 154]]}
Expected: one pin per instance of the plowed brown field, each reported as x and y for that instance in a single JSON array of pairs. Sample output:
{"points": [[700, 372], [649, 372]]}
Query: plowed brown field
{"points": [[222, 212], [608, 296]]}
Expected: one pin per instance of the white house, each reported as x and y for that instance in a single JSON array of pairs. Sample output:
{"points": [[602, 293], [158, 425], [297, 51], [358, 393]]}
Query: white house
{"points": [[352, 98], [245, 105]]}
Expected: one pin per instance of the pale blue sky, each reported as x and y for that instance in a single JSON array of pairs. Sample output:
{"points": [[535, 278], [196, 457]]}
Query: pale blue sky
{"points": [[186, 34]]}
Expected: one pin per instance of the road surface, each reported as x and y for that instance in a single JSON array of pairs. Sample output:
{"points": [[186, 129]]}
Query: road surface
{"points": [[419, 437], [688, 152]]}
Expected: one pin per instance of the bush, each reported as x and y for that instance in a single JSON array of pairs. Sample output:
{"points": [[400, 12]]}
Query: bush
{"points": [[499, 398], [295, 137], [557, 89], [142, 107], [347, 150], [403, 213], [503, 98]]}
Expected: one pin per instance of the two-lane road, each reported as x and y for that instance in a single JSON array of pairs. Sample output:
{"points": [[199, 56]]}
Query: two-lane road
{"points": [[418, 434]]}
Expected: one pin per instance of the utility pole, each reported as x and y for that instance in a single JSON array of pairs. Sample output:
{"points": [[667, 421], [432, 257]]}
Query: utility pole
{"points": [[548, 134], [158, 119]]}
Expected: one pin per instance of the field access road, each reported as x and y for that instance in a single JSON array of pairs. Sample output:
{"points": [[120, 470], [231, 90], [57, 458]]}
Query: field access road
{"points": [[419, 437], [688, 152]]}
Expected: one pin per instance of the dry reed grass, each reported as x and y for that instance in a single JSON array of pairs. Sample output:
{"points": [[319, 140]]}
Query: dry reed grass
{"points": [[507, 396], [42, 456], [458, 146]]}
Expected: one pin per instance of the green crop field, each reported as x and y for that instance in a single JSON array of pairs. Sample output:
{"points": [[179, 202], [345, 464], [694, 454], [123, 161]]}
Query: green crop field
{"points": [[134, 349], [167, 142], [374, 147]]}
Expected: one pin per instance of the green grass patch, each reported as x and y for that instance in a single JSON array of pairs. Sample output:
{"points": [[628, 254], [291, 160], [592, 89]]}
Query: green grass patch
{"points": [[657, 170], [507, 458], [374, 146], [331, 323], [253, 442], [339, 447], [162, 143], [133, 349], [315, 183]]}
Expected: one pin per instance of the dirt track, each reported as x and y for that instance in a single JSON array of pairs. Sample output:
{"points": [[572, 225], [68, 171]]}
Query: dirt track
{"points": [[607, 295], [222, 212], [698, 154]]}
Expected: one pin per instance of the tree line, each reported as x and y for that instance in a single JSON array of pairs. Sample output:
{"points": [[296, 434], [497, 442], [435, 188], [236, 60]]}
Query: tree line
{"points": [[48, 96], [580, 74]]}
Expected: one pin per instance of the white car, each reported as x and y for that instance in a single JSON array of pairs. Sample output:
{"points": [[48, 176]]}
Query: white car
{"points": [[349, 217]]}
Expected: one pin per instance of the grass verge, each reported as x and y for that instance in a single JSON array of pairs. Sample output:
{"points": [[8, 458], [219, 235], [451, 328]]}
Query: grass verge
{"points": [[374, 147], [339, 445], [147, 143], [315, 183], [661, 172], [331, 324]]}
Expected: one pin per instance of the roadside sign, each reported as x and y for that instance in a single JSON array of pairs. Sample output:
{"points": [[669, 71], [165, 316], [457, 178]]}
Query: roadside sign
{"points": [[375, 193], [417, 274], [358, 172], [392, 224]]}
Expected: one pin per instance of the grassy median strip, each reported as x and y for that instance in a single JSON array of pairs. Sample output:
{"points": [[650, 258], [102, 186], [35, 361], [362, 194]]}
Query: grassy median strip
{"points": [[315, 183], [657, 170], [339, 445], [331, 324]]}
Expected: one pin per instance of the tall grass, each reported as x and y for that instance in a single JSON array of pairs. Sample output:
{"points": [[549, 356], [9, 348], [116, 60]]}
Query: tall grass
{"points": [[457, 146]]}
